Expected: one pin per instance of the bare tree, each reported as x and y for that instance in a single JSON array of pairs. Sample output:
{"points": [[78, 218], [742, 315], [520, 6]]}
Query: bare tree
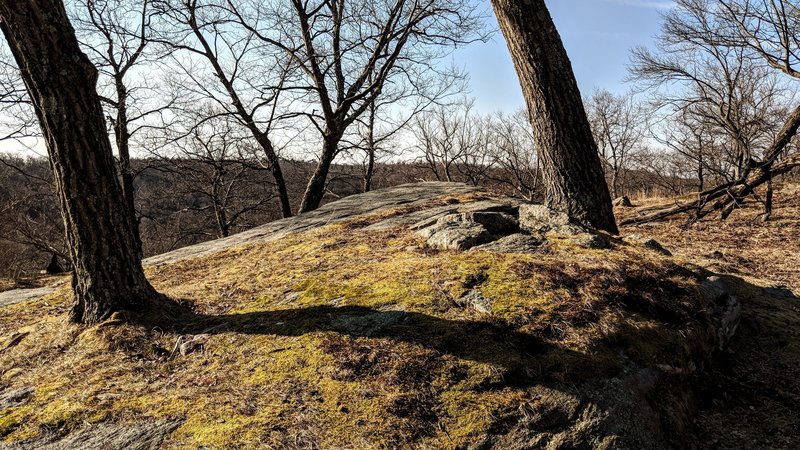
{"points": [[393, 112], [767, 28], [730, 39], [116, 35], [60, 80], [572, 173], [453, 142], [210, 166], [347, 52], [31, 227], [721, 88], [512, 151], [19, 120], [698, 147], [619, 126], [663, 172], [244, 82]]}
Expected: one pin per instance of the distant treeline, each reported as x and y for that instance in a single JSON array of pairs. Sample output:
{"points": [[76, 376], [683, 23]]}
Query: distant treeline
{"points": [[181, 202]]}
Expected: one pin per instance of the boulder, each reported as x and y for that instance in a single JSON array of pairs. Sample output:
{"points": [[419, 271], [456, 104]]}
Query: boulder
{"points": [[728, 310], [193, 344], [370, 324], [537, 219], [475, 299], [456, 235], [515, 243], [591, 240], [464, 231], [496, 222], [15, 397], [54, 267], [650, 243], [623, 202], [110, 436]]}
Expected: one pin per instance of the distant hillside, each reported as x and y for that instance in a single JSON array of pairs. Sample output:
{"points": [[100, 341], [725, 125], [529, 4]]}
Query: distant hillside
{"points": [[175, 204]]}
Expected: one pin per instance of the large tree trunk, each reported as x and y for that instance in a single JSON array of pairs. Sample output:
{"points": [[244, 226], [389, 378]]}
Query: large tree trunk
{"points": [[572, 173], [61, 81]]}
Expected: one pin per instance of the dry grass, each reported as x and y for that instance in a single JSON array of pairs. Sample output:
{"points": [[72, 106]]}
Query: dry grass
{"points": [[341, 338], [743, 244], [6, 284], [759, 377]]}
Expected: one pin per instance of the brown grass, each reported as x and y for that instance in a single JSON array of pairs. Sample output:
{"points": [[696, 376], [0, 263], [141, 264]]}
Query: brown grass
{"points": [[743, 244]]}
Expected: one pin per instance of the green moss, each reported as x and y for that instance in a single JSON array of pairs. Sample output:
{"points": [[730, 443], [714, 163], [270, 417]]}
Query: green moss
{"points": [[342, 339]]}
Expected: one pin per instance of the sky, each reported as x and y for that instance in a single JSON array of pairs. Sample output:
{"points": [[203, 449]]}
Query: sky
{"points": [[598, 36]]}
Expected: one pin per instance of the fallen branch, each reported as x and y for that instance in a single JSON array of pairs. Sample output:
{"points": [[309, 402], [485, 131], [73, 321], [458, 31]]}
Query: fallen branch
{"points": [[725, 198]]}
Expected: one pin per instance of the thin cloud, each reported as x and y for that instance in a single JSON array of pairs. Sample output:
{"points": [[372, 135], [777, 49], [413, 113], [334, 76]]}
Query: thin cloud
{"points": [[654, 4]]}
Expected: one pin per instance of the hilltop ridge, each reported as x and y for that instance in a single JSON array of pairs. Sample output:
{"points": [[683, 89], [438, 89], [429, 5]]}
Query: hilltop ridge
{"points": [[350, 328]]}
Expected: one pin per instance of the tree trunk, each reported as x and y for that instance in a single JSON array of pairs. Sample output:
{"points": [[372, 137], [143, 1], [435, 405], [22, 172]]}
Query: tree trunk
{"points": [[573, 176], [738, 168], [315, 190], [107, 270], [768, 199], [370, 169], [220, 215], [123, 137], [701, 174], [222, 221], [275, 169], [371, 150], [54, 267]]}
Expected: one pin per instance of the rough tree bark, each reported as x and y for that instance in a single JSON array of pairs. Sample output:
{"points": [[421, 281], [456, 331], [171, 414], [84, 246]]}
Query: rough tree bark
{"points": [[572, 173], [60, 79]]}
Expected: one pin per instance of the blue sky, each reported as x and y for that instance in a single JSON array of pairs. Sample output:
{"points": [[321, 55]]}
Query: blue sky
{"points": [[598, 35]]}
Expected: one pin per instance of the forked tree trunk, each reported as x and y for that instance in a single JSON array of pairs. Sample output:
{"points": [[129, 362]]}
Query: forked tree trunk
{"points": [[315, 191], [107, 270], [572, 173]]}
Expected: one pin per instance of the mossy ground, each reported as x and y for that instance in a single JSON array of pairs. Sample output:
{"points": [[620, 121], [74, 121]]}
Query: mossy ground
{"points": [[344, 338]]}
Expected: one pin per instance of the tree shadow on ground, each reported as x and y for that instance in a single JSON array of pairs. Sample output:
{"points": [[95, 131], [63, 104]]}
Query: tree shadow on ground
{"points": [[523, 357]]}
